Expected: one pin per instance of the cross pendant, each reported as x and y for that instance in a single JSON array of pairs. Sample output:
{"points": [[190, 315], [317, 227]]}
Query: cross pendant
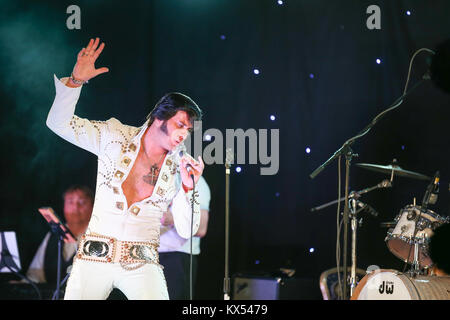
{"points": [[152, 176]]}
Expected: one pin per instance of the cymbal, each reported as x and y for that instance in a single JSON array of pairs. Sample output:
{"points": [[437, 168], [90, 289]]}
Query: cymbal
{"points": [[393, 167]]}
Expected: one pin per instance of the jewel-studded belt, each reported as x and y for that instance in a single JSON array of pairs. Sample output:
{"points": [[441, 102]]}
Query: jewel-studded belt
{"points": [[130, 254]]}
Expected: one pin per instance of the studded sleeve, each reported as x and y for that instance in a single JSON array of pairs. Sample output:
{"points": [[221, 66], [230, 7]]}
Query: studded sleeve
{"points": [[61, 119], [182, 212]]}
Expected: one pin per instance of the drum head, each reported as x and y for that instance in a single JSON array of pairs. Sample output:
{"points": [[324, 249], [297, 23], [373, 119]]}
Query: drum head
{"points": [[394, 285], [383, 285]]}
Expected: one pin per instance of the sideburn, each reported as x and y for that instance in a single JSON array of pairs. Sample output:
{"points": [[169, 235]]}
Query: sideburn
{"points": [[163, 127]]}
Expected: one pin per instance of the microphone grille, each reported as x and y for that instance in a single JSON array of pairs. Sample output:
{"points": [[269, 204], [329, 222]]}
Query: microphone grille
{"points": [[181, 151]]}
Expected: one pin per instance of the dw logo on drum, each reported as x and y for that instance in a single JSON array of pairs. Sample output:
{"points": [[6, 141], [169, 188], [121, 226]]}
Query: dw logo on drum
{"points": [[386, 286]]}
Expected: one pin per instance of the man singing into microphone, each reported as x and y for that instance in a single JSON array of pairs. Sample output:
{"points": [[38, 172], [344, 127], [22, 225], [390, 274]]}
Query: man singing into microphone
{"points": [[140, 172]]}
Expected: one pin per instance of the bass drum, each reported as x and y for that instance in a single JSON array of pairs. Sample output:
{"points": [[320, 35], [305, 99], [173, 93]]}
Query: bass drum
{"points": [[394, 285]]}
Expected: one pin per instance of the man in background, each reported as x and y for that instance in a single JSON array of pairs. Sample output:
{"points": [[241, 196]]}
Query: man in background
{"points": [[174, 251], [78, 204]]}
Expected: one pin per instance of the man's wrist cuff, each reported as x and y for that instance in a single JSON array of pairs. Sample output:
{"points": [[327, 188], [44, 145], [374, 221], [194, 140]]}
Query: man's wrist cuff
{"points": [[76, 81]]}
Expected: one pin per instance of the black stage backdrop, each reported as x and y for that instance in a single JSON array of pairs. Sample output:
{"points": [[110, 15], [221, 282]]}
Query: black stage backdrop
{"points": [[318, 77]]}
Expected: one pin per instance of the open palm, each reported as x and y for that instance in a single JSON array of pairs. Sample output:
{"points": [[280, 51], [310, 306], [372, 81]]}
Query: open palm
{"points": [[85, 67]]}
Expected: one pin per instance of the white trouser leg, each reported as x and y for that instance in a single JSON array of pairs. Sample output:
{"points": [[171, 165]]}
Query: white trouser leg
{"points": [[145, 283], [90, 280]]}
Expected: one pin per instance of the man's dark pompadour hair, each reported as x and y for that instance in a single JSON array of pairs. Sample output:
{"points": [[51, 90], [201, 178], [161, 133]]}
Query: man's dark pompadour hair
{"points": [[170, 104]]}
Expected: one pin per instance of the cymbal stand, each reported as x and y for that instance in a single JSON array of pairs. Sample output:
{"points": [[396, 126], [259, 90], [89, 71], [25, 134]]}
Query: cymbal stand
{"points": [[354, 225]]}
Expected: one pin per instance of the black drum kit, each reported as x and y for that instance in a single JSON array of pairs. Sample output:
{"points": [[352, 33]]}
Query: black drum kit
{"points": [[408, 238]]}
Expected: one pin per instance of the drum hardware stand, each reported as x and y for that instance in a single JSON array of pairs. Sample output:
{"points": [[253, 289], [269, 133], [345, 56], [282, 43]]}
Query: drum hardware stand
{"points": [[354, 203], [416, 258], [415, 266]]}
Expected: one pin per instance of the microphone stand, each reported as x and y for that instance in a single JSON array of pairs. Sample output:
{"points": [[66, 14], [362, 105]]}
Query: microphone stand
{"points": [[226, 282], [69, 270], [346, 149], [63, 233], [57, 230], [356, 194], [348, 158]]}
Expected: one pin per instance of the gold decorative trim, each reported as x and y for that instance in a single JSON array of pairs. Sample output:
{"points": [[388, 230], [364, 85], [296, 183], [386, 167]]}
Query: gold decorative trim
{"points": [[160, 191], [119, 174], [119, 205], [135, 210], [126, 161]]}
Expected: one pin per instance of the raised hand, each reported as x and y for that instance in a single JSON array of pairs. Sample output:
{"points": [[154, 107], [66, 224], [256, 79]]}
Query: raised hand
{"points": [[84, 68]]}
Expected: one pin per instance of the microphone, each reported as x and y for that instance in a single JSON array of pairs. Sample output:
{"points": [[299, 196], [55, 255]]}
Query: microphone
{"points": [[371, 210], [189, 168], [431, 196], [366, 207]]}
